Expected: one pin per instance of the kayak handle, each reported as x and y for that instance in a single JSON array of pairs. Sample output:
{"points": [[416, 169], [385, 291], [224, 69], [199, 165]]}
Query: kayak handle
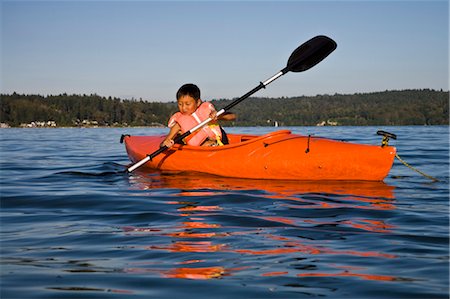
{"points": [[386, 136]]}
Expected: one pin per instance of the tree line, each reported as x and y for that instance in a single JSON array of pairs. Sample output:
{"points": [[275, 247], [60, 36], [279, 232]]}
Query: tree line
{"points": [[74, 110], [398, 107], [405, 107]]}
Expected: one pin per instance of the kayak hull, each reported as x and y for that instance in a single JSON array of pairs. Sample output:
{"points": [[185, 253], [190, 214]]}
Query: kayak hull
{"points": [[277, 155]]}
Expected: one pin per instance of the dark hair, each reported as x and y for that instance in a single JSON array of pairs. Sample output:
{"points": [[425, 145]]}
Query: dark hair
{"points": [[189, 90]]}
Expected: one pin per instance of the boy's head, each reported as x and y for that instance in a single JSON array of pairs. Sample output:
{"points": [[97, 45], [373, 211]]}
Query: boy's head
{"points": [[189, 90], [188, 98]]}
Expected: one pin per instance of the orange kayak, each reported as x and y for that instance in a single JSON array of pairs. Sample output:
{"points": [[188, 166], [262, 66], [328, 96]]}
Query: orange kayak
{"points": [[277, 155]]}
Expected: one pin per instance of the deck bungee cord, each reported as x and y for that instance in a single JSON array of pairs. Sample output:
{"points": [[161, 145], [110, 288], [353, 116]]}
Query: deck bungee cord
{"points": [[385, 142]]}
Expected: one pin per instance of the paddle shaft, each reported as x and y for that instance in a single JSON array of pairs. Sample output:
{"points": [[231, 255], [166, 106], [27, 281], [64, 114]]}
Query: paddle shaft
{"points": [[206, 121]]}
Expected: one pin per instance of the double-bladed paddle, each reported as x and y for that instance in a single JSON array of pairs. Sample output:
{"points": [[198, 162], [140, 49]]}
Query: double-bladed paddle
{"points": [[303, 58]]}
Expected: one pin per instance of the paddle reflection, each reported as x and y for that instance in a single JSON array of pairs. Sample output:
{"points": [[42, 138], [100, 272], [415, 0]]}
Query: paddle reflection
{"points": [[209, 231]]}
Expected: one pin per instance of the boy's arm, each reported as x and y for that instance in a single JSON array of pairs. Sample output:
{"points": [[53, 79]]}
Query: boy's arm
{"points": [[168, 141], [227, 116], [223, 116]]}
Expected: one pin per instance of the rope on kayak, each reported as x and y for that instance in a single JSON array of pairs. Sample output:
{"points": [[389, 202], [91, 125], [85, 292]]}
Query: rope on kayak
{"points": [[385, 142], [415, 169]]}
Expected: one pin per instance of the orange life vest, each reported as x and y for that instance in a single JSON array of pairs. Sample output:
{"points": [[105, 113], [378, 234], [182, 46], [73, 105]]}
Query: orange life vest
{"points": [[187, 122]]}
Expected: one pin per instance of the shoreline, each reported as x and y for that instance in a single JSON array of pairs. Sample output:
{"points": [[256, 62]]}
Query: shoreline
{"points": [[164, 127]]}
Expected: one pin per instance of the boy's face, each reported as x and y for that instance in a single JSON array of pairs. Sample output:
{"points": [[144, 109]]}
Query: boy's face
{"points": [[187, 104]]}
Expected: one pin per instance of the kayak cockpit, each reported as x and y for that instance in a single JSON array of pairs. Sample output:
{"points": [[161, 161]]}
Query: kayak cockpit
{"points": [[234, 139]]}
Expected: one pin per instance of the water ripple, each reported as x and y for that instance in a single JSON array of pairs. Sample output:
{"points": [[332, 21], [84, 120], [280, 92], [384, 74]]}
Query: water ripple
{"points": [[74, 224]]}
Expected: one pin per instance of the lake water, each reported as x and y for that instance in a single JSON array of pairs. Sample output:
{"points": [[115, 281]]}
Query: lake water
{"points": [[73, 225]]}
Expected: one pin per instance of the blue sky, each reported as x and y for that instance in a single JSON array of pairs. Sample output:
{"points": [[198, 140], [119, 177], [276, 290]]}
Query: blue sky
{"points": [[148, 49]]}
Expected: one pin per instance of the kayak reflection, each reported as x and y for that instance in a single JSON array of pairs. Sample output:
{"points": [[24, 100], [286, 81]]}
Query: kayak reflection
{"points": [[207, 234], [199, 181]]}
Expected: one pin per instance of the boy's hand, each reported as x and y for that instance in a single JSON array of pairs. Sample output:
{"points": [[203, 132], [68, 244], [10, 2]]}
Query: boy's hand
{"points": [[167, 142], [213, 115]]}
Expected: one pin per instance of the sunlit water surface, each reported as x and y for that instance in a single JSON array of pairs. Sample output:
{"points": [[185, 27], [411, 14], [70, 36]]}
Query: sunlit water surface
{"points": [[73, 224]]}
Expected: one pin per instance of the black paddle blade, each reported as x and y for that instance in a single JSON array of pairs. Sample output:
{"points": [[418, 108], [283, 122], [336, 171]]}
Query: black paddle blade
{"points": [[310, 53]]}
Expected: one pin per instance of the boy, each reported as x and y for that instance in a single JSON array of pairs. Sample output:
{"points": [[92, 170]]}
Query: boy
{"points": [[192, 111]]}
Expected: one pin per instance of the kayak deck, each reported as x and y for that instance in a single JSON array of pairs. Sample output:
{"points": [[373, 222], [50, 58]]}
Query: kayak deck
{"points": [[277, 155]]}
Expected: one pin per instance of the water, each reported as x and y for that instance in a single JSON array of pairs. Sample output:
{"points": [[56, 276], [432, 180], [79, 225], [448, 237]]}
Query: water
{"points": [[74, 225]]}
